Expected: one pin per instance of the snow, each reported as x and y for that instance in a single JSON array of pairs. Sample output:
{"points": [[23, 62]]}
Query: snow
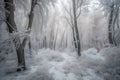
{"points": [[46, 64], [92, 53]]}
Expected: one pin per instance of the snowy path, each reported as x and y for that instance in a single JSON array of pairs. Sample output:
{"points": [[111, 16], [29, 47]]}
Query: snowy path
{"points": [[72, 68], [54, 65]]}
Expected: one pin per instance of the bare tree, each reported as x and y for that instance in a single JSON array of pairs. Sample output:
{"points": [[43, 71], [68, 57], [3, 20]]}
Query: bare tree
{"points": [[20, 44], [30, 16], [110, 37], [113, 6], [113, 17], [76, 28], [9, 6], [74, 13]]}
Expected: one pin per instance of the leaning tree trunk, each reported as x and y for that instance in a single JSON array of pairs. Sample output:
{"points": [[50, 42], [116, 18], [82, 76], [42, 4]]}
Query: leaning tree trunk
{"points": [[31, 16], [76, 29], [110, 35], [9, 6]]}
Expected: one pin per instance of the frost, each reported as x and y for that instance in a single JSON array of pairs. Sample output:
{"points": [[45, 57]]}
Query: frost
{"points": [[54, 65]]}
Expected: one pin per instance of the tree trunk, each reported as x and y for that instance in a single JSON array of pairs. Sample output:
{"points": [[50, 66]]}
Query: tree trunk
{"points": [[118, 25], [9, 6], [74, 39], [76, 29], [116, 16], [110, 35], [31, 16]]}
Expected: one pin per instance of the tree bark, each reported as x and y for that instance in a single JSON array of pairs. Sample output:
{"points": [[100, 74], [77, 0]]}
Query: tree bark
{"points": [[31, 16], [74, 39], [116, 16], [110, 35], [76, 29], [9, 6]]}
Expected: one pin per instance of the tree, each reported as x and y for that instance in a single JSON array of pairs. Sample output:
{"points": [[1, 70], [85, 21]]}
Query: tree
{"points": [[9, 6], [74, 13], [76, 29], [110, 37], [112, 8], [30, 16], [12, 28]]}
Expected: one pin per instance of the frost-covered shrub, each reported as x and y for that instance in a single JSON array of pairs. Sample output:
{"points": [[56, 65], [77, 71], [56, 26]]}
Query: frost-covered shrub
{"points": [[111, 68]]}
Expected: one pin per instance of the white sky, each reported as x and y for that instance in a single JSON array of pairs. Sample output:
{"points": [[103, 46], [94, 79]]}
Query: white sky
{"points": [[94, 4]]}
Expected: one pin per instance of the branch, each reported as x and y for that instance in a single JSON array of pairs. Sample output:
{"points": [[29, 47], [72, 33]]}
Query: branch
{"points": [[11, 26], [68, 21], [79, 8], [68, 11]]}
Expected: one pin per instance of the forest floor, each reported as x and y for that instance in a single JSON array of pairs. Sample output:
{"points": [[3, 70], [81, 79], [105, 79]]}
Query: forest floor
{"points": [[47, 64]]}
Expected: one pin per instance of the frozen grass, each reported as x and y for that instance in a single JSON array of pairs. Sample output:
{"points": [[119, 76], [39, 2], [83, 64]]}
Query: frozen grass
{"points": [[47, 64]]}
